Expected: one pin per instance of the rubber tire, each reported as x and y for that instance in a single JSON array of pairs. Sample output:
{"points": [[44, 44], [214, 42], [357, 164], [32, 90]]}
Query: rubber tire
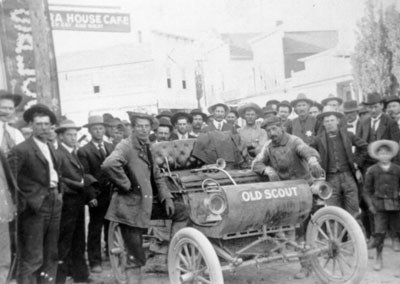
{"points": [[119, 279], [355, 231], [204, 246]]}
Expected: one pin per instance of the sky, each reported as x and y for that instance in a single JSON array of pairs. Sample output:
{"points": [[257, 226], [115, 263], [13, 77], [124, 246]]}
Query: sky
{"points": [[196, 17]]}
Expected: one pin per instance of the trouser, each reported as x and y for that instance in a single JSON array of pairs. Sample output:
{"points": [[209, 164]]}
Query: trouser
{"points": [[96, 225], [5, 248], [71, 244], [133, 236], [38, 233], [345, 192], [387, 221]]}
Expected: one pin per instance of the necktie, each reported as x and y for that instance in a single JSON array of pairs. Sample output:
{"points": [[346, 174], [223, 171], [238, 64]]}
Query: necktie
{"points": [[374, 124], [7, 142], [102, 151]]}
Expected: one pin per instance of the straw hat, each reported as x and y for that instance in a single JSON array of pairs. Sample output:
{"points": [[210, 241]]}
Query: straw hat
{"points": [[242, 109], [66, 124], [374, 147]]}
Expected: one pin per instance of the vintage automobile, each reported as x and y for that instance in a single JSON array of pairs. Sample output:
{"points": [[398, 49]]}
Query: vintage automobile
{"points": [[239, 219]]}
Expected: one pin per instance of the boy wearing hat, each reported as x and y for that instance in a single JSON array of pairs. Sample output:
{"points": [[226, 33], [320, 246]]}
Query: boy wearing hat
{"points": [[382, 193], [9, 136], [92, 156]]}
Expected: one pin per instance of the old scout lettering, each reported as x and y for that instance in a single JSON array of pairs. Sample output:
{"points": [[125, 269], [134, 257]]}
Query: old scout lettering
{"points": [[269, 194]]}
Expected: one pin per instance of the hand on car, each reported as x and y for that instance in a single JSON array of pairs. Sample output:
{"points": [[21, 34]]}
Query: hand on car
{"points": [[169, 207], [316, 170], [93, 203], [271, 173]]}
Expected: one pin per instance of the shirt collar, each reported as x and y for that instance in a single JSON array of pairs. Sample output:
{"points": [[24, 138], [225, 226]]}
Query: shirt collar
{"points": [[69, 149], [39, 142], [376, 119], [254, 126], [217, 123]]}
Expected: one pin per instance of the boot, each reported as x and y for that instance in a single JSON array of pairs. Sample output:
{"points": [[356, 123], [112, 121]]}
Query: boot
{"points": [[379, 247], [396, 243], [303, 273], [372, 242], [133, 275]]}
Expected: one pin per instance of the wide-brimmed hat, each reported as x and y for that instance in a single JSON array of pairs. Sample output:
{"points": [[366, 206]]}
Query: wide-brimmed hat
{"points": [[273, 120], [133, 115], [242, 109], [9, 96], [212, 108], [350, 106], [374, 147], [285, 104], [181, 114], [66, 124], [165, 122], [198, 111], [39, 108], [301, 98], [94, 120], [390, 99], [328, 110], [165, 113], [332, 97], [372, 98]]}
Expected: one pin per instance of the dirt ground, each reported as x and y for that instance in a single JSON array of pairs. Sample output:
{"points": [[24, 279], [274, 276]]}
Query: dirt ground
{"points": [[277, 273]]}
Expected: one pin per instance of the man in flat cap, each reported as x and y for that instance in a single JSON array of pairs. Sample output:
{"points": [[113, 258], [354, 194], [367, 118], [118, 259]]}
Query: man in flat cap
{"points": [[141, 195], [92, 156], [251, 134], [36, 167], [9, 136]]}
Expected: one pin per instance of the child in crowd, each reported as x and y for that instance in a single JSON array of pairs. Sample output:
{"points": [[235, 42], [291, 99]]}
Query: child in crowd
{"points": [[381, 192]]}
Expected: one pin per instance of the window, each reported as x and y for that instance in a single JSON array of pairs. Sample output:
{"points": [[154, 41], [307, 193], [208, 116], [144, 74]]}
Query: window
{"points": [[183, 84], [96, 89], [169, 84]]}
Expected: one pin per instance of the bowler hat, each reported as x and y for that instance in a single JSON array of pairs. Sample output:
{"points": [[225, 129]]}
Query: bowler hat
{"points": [[198, 111], [39, 108], [327, 111], [135, 115], [66, 124], [181, 114], [272, 120], [94, 120], [374, 147], [390, 99], [350, 106], [213, 107], [331, 97], [268, 109], [301, 98], [285, 104], [9, 96], [165, 122], [372, 98], [165, 113], [243, 108]]}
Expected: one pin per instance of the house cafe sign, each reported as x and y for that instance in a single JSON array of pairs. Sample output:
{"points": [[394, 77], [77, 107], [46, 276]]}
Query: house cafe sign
{"points": [[90, 21]]}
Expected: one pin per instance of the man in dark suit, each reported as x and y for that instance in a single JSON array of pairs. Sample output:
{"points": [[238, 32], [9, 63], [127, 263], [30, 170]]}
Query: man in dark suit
{"points": [[219, 112], [71, 244], [35, 166], [92, 156], [181, 121], [350, 110]]}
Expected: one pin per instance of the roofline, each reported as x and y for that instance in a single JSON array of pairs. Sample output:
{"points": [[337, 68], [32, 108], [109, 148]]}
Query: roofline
{"points": [[173, 35]]}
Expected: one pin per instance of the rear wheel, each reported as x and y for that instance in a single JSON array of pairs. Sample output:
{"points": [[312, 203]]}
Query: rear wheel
{"points": [[192, 259], [117, 252], [344, 251]]}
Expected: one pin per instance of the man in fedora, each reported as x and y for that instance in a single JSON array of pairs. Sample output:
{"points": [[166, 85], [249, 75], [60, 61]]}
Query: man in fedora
{"points": [[219, 112], [392, 106], [303, 126], [141, 193], [332, 101], [350, 110], [181, 121], [92, 156], [36, 167], [334, 144], [9, 136], [164, 131], [199, 118], [252, 135], [71, 244]]}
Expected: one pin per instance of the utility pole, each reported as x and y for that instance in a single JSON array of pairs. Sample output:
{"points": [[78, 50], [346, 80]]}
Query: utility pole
{"points": [[45, 60]]}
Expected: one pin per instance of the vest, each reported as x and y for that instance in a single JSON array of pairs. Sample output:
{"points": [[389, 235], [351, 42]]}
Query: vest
{"points": [[337, 159], [304, 129]]}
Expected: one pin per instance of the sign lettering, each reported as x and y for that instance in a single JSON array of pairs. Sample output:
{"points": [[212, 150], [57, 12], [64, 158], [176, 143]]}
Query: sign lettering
{"points": [[273, 193]]}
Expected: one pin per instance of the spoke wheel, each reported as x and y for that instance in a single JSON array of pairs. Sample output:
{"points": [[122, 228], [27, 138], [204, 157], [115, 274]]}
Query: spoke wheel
{"points": [[192, 259], [117, 252], [344, 255]]}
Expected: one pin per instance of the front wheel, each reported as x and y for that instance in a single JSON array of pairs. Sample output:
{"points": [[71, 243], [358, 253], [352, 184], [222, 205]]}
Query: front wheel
{"points": [[117, 252], [192, 259], [344, 255]]}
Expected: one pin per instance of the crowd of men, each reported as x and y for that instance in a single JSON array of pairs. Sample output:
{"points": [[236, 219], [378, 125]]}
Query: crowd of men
{"points": [[50, 176]]}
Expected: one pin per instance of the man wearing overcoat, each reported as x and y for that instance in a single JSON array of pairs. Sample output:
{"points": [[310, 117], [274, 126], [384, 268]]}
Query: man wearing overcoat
{"points": [[141, 194]]}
